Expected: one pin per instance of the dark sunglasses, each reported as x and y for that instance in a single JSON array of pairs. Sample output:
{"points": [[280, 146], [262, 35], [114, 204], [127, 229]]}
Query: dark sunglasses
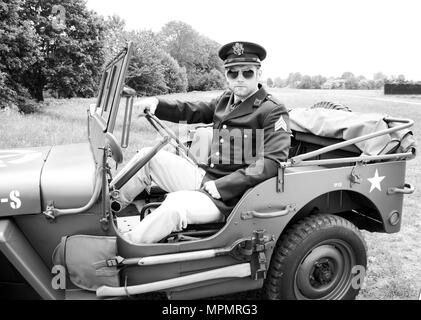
{"points": [[247, 74]]}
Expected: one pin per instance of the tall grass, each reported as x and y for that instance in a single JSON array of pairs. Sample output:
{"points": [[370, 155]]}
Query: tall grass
{"points": [[59, 122]]}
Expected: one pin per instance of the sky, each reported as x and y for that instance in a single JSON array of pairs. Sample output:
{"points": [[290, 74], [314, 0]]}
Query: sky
{"points": [[312, 37]]}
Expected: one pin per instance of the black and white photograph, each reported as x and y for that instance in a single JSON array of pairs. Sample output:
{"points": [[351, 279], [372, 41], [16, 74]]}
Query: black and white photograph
{"points": [[296, 123]]}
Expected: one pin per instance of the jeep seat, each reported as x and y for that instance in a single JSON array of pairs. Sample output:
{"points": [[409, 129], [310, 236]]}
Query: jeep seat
{"points": [[68, 176], [306, 142]]}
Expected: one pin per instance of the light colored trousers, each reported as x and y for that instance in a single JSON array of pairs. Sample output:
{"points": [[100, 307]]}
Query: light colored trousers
{"points": [[183, 204]]}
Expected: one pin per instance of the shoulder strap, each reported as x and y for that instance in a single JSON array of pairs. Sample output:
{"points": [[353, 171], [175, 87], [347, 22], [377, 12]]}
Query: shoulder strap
{"points": [[273, 99]]}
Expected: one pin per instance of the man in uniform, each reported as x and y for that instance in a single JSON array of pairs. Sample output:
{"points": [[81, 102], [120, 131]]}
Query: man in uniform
{"points": [[208, 193]]}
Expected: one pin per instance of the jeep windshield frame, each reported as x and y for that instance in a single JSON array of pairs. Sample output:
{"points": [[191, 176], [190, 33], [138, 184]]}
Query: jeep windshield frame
{"points": [[111, 88]]}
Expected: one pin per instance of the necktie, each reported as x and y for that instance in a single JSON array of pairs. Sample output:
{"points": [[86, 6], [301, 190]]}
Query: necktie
{"points": [[235, 104]]}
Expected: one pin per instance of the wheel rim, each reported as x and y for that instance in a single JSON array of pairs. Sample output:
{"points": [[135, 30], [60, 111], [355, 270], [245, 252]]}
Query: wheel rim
{"points": [[325, 271]]}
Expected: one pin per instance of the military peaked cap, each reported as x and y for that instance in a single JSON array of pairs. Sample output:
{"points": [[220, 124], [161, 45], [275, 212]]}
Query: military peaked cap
{"points": [[240, 52]]}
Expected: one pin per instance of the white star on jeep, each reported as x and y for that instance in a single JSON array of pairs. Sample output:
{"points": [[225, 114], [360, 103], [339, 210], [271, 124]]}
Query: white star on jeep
{"points": [[375, 181]]}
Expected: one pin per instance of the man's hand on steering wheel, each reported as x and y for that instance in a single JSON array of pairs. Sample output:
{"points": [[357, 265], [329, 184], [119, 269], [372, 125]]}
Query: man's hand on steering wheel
{"points": [[150, 104], [143, 104], [210, 187]]}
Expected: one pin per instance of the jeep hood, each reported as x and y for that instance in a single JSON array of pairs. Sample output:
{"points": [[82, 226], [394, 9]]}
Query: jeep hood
{"points": [[20, 172], [31, 177]]}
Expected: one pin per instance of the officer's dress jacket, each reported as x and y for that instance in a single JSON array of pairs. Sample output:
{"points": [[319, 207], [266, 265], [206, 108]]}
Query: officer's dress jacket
{"points": [[236, 163]]}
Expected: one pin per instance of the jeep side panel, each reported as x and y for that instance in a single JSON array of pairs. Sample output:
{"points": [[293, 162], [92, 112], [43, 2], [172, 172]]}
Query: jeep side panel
{"points": [[301, 186]]}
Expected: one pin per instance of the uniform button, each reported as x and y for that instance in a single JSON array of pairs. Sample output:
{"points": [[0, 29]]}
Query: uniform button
{"points": [[224, 126], [217, 153], [221, 141], [212, 165], [245, 136]]}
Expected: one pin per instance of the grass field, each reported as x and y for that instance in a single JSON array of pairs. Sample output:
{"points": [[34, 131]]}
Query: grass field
{"points": [[394, 270]]}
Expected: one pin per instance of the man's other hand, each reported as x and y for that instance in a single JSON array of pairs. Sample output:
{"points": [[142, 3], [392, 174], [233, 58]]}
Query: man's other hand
{"points": [[210, 188], [144, 104]]}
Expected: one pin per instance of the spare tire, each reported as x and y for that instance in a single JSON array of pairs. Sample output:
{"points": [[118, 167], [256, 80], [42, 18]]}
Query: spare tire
{"points": [[330, 105]]}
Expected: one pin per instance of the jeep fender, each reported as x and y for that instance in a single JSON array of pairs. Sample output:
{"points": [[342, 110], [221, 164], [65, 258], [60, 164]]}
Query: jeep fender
{"points": [[20, 253], [331, 188]]}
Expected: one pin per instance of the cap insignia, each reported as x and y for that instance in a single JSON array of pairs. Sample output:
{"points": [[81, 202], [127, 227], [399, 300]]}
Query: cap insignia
{"points": [[238, 49]]}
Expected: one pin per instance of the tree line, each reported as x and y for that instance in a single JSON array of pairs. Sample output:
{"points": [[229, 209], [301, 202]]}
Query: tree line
{"points": [[60, 47], [346, 81], [176, 59]]}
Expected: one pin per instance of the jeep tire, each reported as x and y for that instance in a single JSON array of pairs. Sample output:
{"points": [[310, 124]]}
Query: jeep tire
{"points": [[320, 257]]}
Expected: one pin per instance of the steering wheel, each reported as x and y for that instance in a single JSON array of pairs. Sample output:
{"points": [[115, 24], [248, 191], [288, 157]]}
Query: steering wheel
{"points": [[154, 121], [114, 147], [131, 168]]}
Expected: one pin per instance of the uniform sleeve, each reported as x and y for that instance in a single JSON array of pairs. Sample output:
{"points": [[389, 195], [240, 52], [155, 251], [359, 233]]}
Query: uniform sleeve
{"points": [[275, 149], [192, 112]]}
